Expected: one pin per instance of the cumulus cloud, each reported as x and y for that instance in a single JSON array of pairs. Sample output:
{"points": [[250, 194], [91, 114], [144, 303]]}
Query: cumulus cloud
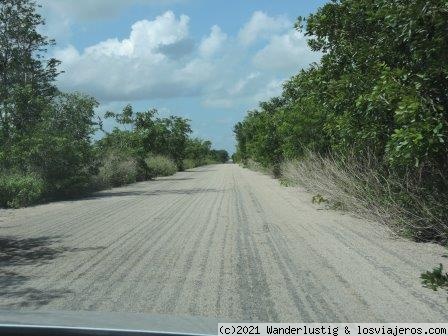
{"points": [[288, 52], [160, 59], [243, 85], [262, 26], [232, 93], [272, 88], [210, 45], [138, 67], [146, 38], [62, 15]]}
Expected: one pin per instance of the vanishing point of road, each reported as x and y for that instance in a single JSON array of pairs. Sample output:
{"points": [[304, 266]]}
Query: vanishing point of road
{"points": [[216, 241]]}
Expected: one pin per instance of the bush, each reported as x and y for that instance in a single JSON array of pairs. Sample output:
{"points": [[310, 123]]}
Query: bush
{"points": [[159, 165], [18, 190], [59, 148], [189, 164], [116, 170]]}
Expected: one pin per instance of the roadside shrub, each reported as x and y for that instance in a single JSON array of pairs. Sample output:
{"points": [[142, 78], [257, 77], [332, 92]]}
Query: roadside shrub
{"points": [[402, 202], [159, 165], [189, 164], [116, 170], [18, 190]]}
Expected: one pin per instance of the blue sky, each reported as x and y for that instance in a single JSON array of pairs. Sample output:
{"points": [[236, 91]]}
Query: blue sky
{"points": [[209, 61]]}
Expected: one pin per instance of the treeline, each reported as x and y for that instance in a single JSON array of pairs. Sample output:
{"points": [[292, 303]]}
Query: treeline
{"points": [[47, 146], [369, 122]]}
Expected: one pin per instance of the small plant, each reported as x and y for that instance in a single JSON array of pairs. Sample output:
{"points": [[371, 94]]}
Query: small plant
{"points": [[285, 182], [318, 199], [288, 182], [435, 279]]}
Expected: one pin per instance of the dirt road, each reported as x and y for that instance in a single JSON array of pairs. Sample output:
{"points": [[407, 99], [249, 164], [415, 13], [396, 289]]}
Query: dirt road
{"points": [[217, 241]]}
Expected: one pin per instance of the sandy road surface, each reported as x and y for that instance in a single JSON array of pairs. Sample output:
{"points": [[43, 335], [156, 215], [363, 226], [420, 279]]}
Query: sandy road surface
{"points": [[218, 241]]}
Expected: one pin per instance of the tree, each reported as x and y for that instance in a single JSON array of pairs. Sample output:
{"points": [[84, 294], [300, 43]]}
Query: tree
{"points": [[380, 89], [60, 149], [26, 77], [220, 155], [153, 135]]}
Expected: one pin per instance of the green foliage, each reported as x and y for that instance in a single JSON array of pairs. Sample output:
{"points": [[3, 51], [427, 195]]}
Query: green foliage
{"points": [[163, 140], [42, 132], [379, 93], [380, 87], [59, 149], [199, 152], [221, 155], [150, 134], [435, 279], [26, 77], [17, 190], [159, 165]]}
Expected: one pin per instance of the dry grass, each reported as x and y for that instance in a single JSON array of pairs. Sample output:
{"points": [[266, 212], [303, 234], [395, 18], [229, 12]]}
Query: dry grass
{"points": [[401, 203], [159, 165], [115, 170], [255, 166]]}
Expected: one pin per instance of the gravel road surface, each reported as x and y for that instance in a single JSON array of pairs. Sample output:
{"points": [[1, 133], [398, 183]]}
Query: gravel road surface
{"points": [[216, 241]]}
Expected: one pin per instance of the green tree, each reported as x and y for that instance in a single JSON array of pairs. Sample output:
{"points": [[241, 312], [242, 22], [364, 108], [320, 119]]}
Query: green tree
{"points": [[26, 77], [152, 135], [60, 149]]}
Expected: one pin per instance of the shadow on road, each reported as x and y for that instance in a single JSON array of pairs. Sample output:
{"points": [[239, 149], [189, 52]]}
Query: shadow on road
{"points": [[15, 294], [24, 251], [15, 252], [200, 171], [175, 179], [159, 192]]}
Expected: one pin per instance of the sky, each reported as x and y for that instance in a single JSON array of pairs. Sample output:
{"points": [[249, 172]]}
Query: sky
{"points": [[208, 61]]}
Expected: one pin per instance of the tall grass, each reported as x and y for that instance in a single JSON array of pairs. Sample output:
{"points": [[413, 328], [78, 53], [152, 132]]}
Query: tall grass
{"points": [[254, 165], [402, 202]]}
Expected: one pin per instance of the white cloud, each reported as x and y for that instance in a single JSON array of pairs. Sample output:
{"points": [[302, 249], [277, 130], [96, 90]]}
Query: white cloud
{"points": [[62, 15], [272, 89], [289, 52], [146, 38], [242, 85], [262, 26], [210, 45], [160, 59], [69, 54], [136, 67], [247, 91], [234, 91]]}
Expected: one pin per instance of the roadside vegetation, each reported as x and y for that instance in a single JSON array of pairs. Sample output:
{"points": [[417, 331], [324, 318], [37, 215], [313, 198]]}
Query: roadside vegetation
{"points": [[47, 137], [365, 128]]}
